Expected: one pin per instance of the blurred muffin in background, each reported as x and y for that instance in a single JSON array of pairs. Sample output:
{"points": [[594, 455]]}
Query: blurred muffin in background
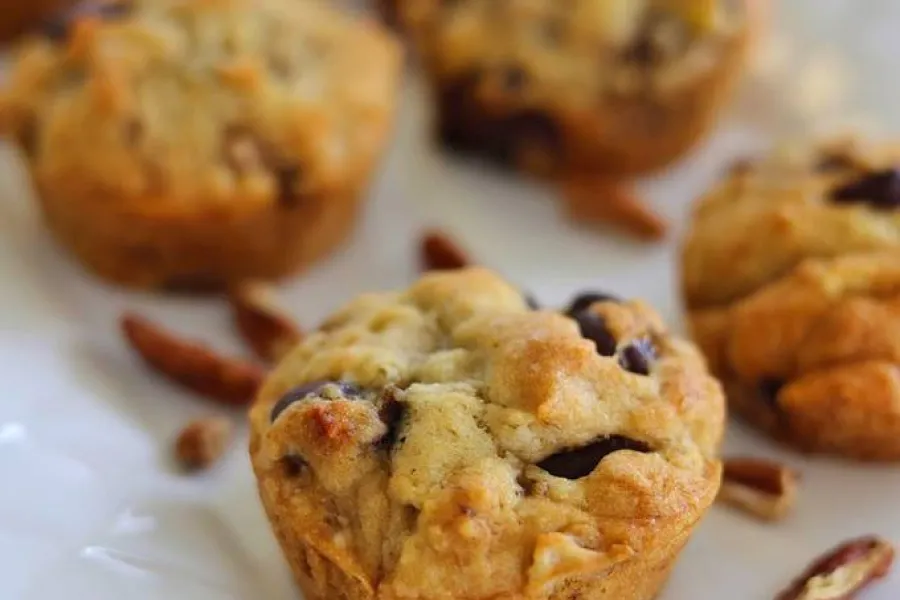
{"points": [[193, 144], [791, 277], [614, 86], [18, 16]]}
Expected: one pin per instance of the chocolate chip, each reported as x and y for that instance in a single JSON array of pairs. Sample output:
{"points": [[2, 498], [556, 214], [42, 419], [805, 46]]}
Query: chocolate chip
{"points": [[768, 391], [346, 389], [57, 29], [880, 189], [466, 126], [391, 412], [581, 462], [638, 356], [293, 465], [586, 299], [288, 177], [593, 327]]}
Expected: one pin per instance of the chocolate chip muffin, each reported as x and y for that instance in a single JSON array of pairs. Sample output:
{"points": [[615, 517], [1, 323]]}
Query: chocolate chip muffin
{"points": [[192, 144], [449, 441], [619, 86], [792, 281]]}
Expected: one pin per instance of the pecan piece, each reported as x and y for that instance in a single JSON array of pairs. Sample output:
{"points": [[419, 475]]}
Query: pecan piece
{"points": [[202, 442], [764, 489], [440, 252], [262, 322], [842, 572], [597, 200], [227, 380]]}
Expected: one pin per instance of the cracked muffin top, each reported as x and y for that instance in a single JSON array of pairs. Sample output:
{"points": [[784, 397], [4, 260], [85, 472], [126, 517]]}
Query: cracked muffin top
{"points": [[195, 103], [767, 217], [418, 428], [578, 50]]}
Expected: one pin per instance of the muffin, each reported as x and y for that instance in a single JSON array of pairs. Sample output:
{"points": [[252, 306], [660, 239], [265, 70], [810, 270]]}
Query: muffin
{"points": [[20, 16], [194, 144], [614, 86], [448, 441], [792, 283]]}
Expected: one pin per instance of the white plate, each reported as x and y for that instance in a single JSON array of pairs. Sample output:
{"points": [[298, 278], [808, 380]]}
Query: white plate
{"points": [[90, 506]]}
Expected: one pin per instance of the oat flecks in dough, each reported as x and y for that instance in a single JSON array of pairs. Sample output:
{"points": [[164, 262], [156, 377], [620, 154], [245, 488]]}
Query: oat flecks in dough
{"points": [[484, 388]]}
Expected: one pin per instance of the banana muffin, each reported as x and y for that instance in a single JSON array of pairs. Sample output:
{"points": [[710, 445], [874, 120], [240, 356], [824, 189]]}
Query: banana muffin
{"points": [[616, 86], [193, 144], [792, 283], [449, 441]]}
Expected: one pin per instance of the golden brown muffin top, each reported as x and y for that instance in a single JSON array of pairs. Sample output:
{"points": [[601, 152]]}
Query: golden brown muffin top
{"points": [[168, 103], [582, 51], [768, 216], [451, 420]]}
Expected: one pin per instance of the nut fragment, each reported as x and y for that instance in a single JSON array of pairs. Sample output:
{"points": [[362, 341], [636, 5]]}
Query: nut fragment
{"points": [[262, 321], [196, 367], [202, 442], [843, 571], [440, 252], [767, 490], [598, 200]]}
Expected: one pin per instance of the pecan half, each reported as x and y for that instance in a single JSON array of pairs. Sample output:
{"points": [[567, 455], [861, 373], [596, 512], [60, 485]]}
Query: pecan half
{"points": [[194, 366], [843, 571], [262, 322], [440, 252], [601, 201], [764, 489], [202, 442]]}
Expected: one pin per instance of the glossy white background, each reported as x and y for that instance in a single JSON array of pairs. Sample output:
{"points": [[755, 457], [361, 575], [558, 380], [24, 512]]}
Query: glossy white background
{"points": [[90, 504]]}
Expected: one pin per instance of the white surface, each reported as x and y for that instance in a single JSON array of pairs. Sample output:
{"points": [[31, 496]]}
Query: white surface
{"points": [[90, 506]]}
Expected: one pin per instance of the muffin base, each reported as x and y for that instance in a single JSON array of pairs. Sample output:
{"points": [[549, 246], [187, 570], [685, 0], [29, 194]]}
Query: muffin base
{"points": [[803, 432], [810, 427], [324, 572], [182, 250]]}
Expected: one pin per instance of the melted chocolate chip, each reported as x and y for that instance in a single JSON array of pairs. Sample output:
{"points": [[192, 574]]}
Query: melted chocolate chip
{"points": [[585, 299], [466, 126], [57, 29], [293, 465], [638, 356], [581, 462], [593, 327], [880, 189], [306, 390], [768, 391], [391, 412]]}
